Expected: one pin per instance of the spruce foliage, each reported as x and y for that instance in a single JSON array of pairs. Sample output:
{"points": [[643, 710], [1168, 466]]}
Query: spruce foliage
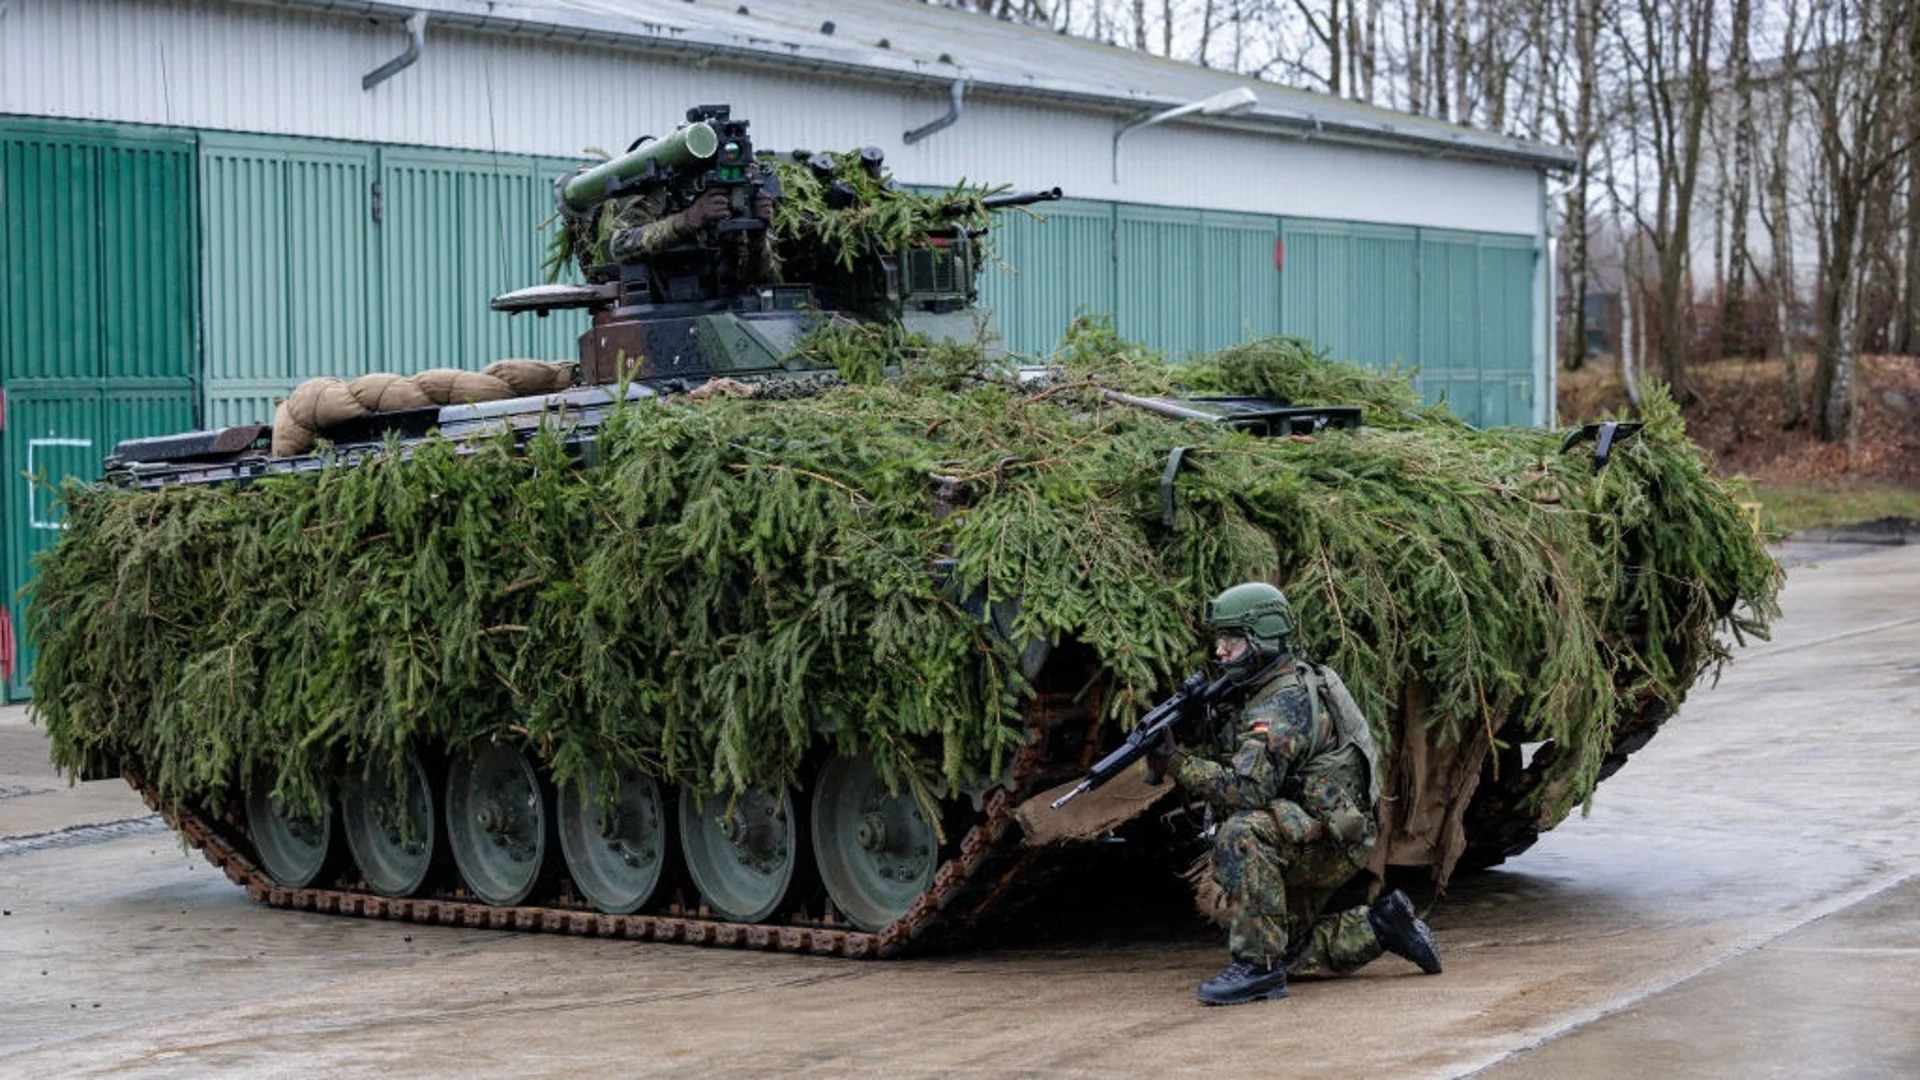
{"points": [[734, 585]]}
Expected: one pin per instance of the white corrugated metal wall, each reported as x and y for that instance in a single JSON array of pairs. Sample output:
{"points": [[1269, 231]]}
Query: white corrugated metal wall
{"points": [[207, 64]]}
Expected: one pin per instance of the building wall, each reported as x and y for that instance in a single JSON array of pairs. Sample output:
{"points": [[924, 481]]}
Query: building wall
{"points": [[208, 64], [1456, 309]]}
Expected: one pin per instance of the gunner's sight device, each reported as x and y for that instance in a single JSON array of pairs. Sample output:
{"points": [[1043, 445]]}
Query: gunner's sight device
{"points": [[733, 167]]}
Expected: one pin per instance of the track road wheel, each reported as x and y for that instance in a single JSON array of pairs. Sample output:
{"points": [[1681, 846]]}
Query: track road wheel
{"points": [[390, 826], [877, 851], [497, 823], [616, 854], [294, 848], [742, 851]]}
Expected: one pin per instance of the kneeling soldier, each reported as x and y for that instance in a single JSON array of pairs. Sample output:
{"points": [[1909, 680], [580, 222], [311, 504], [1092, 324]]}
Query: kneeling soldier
{"points": [[1292, 783]]}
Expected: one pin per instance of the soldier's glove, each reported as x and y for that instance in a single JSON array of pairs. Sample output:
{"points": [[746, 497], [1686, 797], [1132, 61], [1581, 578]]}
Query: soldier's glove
{"points": [[710, 206]]}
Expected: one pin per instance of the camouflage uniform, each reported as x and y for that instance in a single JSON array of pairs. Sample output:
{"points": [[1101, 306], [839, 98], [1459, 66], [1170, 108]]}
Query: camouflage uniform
{"points": [[1293, 830], [640, 225]]}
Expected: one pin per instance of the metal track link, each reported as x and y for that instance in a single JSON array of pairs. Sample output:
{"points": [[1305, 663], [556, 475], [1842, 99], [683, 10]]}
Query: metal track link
{"points": [[982, 879]]}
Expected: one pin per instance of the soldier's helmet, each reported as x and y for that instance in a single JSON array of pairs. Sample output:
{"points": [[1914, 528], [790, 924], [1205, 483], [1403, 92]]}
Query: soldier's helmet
{"points": [[1258, 612]]}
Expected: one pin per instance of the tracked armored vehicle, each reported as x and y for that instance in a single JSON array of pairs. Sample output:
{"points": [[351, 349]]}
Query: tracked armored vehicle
{"points": [[447, 784]]}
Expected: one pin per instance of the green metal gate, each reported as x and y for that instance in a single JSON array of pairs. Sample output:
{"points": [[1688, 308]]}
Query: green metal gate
{"points": [[288, 250], [333, 258], [98, 324], [1048, 269], [1476, 325], [1353, 290], [455, 229], [1455, 308]]}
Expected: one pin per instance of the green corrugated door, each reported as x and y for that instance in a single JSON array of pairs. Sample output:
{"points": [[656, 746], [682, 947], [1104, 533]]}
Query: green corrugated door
{"points": [[58, 428], [427, 255], [1048, 271], [149, 294], [286, 272], [1476, 325], [99, 240], [1159, 277], [244, 278], [53, 431], [1506, 289], [1240, 286], [1384, 304], [458, 229], [1450, 321], [1317, 284], [52, 189]]}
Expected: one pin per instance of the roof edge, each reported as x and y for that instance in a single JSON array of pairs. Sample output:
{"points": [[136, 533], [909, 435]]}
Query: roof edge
{"points": [[873, 64]]}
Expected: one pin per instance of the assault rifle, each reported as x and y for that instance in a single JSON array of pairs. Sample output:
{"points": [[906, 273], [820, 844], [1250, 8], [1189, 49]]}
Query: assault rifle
{"points": [[1181, 711]]}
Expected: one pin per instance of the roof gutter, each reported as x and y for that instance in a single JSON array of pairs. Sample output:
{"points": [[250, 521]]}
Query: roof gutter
{"points": [[416, 44], [482, 15], [959, 93]]}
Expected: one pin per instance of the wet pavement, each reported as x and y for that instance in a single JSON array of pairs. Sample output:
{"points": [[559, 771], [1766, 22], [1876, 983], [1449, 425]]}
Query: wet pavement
{"points": [[1744, 900]]}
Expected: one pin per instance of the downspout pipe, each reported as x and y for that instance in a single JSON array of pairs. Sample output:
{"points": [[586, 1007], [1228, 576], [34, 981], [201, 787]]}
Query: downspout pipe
{"points": [[416, 42], [958, 93]]}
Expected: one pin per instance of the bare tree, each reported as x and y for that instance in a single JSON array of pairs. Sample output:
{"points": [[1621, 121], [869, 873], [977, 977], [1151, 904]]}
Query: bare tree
{"points": [[1733, 313], [1853, 87], [1778, 215], [1910, 329], [1326, 27], [1668, 45], [1370, 51], [1586, 25], [1461, 46], [1413, 31]]}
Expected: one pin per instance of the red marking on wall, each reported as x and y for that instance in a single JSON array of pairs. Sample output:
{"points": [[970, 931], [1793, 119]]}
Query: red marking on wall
{"points": [[1279, 254]]}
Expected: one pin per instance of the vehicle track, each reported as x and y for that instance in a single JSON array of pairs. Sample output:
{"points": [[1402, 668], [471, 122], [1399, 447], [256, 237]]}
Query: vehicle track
{"points": [[989, 876]]}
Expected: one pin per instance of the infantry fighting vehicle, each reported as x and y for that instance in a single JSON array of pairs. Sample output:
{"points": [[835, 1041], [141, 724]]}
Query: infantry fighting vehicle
{"points": [[846, 864], [485, 838]]}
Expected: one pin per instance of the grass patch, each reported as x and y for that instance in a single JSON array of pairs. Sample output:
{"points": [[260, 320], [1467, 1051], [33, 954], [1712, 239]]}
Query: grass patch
{"points": [[1827, 504]]}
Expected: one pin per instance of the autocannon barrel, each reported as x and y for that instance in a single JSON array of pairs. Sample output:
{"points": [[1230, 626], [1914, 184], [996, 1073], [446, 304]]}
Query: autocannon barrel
{"points": [[690, 145], [1001, 202], [1025, 198]]}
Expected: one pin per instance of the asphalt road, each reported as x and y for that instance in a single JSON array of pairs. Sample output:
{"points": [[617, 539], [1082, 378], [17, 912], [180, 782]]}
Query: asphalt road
{"points": [[1744, 900]]}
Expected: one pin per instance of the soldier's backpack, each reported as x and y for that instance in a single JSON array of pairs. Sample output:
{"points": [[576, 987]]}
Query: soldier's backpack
{"points": [[1332, 694]]}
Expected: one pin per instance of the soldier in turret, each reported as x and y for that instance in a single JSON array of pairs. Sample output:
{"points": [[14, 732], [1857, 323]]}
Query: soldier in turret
{"points": [[1292, 783], [658, 218]]}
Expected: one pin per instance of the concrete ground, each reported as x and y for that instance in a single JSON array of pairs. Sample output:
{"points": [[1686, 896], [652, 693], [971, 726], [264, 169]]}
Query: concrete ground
{"points": [[1743, 901]]}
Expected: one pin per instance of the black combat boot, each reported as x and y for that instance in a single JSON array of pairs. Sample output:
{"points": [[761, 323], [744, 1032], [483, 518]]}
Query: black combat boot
{"points": [[1402, 933], [1244, 981]]}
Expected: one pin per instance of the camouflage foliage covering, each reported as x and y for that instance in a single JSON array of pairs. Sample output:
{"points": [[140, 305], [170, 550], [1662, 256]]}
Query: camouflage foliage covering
{"points": [[736, 583]]}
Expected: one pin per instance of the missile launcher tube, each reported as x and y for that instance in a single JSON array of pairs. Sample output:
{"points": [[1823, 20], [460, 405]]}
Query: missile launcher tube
{"points": [[587, 189]]}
